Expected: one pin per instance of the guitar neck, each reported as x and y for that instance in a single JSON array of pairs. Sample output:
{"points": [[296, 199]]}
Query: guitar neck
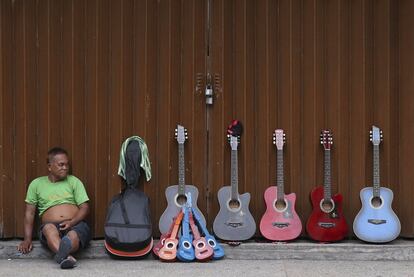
{"points": [[280, 177], [194, 229], [376, 169], [181, 169], [327, 176], [176, 225], [234, 175], [197, 218], [185, 225]]}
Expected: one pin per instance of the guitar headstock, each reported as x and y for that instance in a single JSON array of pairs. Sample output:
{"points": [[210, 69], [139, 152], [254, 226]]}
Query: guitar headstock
{"points": [[326, 139], [279, 139], [375, 135], [234, 132], [234, 141], [181, 134]]}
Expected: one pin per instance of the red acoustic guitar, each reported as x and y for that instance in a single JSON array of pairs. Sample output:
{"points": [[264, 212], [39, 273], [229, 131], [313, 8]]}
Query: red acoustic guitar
{"points": [[280, 222], [326, 222], [203, 251], [168, 253]]}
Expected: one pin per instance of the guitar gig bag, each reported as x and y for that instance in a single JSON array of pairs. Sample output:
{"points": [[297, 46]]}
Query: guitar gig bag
{"points": [[128, 228]]}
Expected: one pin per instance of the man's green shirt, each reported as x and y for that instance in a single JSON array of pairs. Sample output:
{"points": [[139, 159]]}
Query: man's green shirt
{"points": [[45, 194]]}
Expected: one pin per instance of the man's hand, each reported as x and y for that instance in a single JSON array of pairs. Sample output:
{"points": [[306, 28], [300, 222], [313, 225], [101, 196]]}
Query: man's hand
{"points": [[25, 246], [67, 224]]}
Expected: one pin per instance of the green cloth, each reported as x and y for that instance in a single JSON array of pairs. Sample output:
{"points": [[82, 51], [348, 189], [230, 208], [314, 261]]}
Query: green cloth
{"points": [[145, 162], [45, 194]]}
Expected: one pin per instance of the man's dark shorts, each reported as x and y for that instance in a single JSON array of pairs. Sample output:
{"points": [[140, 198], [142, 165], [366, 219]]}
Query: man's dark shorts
{"points": [[82, 229]]}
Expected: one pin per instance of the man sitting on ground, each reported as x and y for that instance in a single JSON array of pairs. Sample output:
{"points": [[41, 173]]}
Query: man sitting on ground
{"points": [[62, 203]]}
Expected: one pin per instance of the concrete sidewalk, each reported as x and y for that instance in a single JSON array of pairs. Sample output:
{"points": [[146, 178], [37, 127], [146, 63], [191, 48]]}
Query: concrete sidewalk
{"points": [[398, 250]]}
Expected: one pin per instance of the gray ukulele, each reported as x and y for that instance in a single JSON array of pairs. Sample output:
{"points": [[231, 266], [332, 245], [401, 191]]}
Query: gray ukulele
{"points": [[175, 195], [234, 222]]}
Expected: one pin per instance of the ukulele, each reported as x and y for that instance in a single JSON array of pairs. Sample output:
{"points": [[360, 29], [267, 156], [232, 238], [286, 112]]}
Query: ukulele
{"points": [[326, 222], [234, 222], [168, 252], [185, 252], [280, 222], [376, 221], [176, 195], [160, 243], [203, 251], [218, 251]]}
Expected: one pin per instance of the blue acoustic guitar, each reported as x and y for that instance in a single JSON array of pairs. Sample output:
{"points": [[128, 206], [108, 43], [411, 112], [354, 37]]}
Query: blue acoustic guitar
{"points": [[185, 251], [211, 240], [376, 221]]}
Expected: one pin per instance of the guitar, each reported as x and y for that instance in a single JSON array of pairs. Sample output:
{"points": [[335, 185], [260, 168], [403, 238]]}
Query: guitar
{"points": [[218, 251], [185, 252], [203, 251], [326, 222], [176, 195], [280, 222], [234, 222], [168, 252], [160, 243], [376, 221]]}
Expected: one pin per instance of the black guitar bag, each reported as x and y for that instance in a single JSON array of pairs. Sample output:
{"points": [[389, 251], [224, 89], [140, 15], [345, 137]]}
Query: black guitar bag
{"points": [[128, 228]]}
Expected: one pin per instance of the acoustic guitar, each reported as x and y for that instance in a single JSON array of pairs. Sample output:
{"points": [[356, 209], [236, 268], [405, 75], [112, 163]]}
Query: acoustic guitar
{"points": [[376, 221], [234, 222], [280, 222], [326, 222], [168, 253], [176, 194]]}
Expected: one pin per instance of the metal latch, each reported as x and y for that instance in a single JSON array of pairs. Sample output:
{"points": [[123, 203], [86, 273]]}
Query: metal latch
{"points": [[209, 91]]}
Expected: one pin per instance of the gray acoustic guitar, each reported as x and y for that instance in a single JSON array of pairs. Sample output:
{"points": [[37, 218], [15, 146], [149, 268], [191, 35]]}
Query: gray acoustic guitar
{"points": [[234, 222], [175, 195]]}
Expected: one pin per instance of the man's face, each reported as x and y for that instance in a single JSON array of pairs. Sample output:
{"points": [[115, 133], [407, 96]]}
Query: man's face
{"points": [[59, 167]]}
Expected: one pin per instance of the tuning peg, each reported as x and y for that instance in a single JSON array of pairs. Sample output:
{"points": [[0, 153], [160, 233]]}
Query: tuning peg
{"points": [[186, 137]]}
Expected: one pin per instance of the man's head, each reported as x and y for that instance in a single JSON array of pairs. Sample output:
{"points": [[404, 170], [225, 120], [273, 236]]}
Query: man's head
{"points": [[57, 163]]}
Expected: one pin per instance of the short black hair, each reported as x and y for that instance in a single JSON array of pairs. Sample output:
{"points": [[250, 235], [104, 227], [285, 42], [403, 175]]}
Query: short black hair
{"points": [[55, 151]]}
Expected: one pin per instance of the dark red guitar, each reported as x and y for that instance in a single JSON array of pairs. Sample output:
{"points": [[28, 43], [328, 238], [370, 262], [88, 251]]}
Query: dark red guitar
{"points": [[157, 247], [326, 222]]}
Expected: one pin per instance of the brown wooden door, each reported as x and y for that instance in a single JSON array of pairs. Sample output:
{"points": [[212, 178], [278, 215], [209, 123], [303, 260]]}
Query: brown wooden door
{"points": [[88, 74]]}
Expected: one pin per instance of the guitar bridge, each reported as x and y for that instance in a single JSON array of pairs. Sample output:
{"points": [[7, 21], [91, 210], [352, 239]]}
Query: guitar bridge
{"points": [[377, 221], [326, 225], [234, 224], [280, 224]]}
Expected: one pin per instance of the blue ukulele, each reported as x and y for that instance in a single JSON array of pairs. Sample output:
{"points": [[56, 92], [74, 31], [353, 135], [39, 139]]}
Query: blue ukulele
{"points": [[376, 221], [185, 251]]}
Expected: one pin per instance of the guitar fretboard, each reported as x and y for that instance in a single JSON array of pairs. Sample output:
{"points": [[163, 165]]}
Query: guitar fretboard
{"points": [[280, 177], [327, 176], [376, 169], [181, 169], [234, 175]]}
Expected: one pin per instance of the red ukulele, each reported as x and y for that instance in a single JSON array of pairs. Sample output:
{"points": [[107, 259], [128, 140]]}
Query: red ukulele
{"points": [[326, 222], [168, 253], [157, 247], [203, 250], [280, 222]]}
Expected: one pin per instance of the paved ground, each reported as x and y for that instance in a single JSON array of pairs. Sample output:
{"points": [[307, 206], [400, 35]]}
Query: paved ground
{"points": [[227, 267]]}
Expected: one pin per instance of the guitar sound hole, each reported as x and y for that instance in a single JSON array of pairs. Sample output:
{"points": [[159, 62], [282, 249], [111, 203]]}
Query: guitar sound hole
{"points": [[211, 243], [200, 245], [327, 206], [187, 245], [181, 199], [170, 245], [376, 202], [234, 204], [280, 205]]}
